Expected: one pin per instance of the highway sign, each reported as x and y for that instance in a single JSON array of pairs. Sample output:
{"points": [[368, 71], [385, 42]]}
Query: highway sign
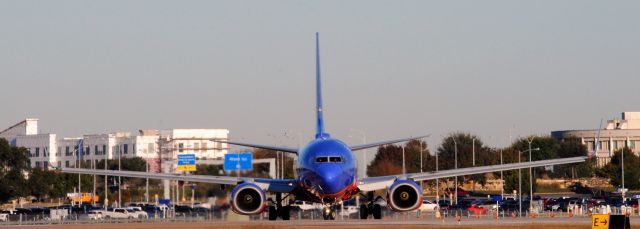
{"points": [[186, 162], [235, 161], [600, 221]]}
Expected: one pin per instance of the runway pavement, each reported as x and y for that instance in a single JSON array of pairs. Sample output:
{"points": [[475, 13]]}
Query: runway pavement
{"points": [[524, 223]]}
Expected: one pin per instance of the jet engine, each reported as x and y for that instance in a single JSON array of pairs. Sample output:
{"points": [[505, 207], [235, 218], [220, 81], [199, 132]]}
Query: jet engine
{"points": [[404, 195], [248, 199]]}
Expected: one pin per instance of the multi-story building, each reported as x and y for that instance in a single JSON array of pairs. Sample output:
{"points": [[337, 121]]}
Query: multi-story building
{"points": [[49, 150], [617, 134]]}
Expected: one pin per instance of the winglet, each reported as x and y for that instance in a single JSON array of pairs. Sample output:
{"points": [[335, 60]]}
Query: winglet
{"points": [[597, 143], [320, 125]]}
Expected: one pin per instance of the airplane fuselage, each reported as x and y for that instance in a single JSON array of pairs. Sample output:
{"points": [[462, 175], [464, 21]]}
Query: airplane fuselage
{"points": [[327, 171]]}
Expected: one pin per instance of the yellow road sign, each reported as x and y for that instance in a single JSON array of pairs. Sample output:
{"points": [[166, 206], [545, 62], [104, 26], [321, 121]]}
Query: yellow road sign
{"points": [[600, 221], [186, 167]]}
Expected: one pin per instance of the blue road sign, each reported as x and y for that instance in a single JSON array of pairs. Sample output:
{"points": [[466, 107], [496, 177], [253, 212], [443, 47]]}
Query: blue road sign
{"points": [[186, 162], [235, 161]]}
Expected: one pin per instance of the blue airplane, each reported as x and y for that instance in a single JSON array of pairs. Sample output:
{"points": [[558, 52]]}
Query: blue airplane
{"points": [[326, 174]]}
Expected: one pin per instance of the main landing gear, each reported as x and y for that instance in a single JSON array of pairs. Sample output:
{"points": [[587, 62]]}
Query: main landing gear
{"points": [[284, 212], [370, 209], [375, 210]]}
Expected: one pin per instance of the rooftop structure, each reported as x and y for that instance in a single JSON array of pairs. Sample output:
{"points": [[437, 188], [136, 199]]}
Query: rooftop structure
{"points": [[617, 134]]}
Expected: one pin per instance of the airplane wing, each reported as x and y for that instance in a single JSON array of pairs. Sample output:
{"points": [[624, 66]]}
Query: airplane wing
{"points": [[267, 147], [271, 185], [376, 144], [376, 183]]}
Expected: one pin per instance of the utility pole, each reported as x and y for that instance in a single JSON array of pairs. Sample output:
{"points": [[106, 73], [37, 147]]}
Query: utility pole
{"points": [[437, 181], [530, 179], [119, 177], [106, 191], [473, 151], [622, 165], [455, 146], [404, 169], [519, 187], [501, 178]]}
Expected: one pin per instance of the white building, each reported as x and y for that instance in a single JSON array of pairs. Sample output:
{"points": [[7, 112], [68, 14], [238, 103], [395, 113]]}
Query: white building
{"points": [[616, 135], [48, 150]]}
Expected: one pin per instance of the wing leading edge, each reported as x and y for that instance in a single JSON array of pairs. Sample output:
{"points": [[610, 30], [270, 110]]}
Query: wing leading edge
{"points": [[376, 183], [271, 185], [376, 144], [267, 147]]}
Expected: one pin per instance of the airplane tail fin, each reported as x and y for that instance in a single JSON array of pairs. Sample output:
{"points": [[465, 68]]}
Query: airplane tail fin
{"points": [[320, 121]]}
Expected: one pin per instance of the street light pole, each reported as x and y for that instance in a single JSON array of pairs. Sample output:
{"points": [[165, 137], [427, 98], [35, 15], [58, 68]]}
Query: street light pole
{"points": [[530, 179], [473, 151], [519, 188], [501, 178], [455, 149], [404, 169], [437, 181]]}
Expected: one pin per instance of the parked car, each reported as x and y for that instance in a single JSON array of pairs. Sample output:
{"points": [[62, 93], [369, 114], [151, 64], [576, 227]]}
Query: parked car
{"points": [[119, 213], [428, 206], [444, 205], [476, 209], [139, 212], [4, 217], [95, 215], [182, 210]]}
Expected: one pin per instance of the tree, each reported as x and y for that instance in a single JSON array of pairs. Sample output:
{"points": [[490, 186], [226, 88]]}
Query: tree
{"points": [[465, 144], [388, 160], [14, 163], [613, 170], [573, 147]]}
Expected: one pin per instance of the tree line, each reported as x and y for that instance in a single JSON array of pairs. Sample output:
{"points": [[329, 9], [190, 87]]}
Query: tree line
{"points": [[388, 160]]}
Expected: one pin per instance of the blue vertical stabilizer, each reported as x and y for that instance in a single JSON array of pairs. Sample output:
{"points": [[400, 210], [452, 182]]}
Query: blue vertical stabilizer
{"points": [[320, 125]]}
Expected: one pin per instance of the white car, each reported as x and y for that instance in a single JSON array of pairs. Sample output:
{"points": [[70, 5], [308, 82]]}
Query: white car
{"points": [[4, 217], [348, 210], [140, 214], [119, 213], [95, 215], [428, 206]]}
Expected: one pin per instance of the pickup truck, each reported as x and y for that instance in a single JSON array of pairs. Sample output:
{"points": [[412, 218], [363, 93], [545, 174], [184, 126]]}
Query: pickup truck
{"points": [[119, 213]]}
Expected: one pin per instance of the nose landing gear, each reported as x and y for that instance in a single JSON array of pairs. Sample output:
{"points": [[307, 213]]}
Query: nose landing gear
{"points": [[328, 213]]}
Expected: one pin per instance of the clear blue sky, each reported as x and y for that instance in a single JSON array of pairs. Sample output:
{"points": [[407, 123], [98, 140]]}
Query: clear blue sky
{"points": [[391, 68]]}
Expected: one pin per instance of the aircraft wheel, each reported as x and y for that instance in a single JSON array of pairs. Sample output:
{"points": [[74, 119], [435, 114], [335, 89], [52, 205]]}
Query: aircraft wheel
{"points": [[328, 213], [364, 212], [377, 211], [273, 214], [285, 212]]}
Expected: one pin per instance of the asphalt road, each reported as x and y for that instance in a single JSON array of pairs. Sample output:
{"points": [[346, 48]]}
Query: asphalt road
{"points": [[524, 223]]}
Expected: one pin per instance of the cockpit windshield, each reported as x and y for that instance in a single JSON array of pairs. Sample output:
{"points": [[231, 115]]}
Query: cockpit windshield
{"points": [[328, 159]]}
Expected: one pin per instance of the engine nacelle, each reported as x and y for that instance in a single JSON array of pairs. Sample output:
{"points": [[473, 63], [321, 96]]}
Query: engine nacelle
{"points": [[404, 195], [248, 199]]}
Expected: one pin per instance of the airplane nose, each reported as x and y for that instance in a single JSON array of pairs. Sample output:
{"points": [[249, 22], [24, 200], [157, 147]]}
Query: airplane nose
{"points": [[333, 182]]}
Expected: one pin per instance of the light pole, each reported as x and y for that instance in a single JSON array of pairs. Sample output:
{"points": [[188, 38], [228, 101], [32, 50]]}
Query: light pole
{"points": [[437, 182], [119, 177], [520, 182], [455, 149], [531, 177], [473, 151], [501, 178], [622, 165], [404, 169]]}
